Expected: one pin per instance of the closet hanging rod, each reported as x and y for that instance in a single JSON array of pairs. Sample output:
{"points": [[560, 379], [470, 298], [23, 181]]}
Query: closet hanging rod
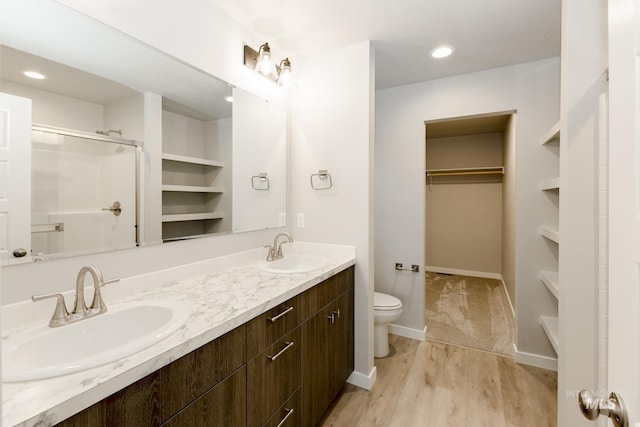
{"points": [[466, 171]]}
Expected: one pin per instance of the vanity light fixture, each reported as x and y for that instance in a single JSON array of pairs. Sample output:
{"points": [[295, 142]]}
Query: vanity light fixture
{"points": [[284, 72], [441, 52], [34, 75], [262, 63]]}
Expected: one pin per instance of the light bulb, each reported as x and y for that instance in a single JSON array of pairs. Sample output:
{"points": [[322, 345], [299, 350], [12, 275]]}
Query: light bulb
{"points": [[284, 77], [264, 63]]}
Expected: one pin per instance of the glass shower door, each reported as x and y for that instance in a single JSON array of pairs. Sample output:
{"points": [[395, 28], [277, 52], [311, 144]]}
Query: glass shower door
{"points": [[83, 193]]}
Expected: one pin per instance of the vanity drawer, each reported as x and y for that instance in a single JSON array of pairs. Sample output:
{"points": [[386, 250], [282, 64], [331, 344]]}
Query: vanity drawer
{"points": [[223, 405], [272, 325], [272, 377], [289, 414]]}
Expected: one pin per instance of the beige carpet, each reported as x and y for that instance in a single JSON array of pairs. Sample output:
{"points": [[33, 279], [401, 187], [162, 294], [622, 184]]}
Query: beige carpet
{"points": [[469, 311]]}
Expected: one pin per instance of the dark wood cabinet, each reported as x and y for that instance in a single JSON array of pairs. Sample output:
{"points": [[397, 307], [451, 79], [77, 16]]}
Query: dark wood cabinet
{"points": [[282, 368], [289, 414], [327, 350], [160, 395], [223, 405], [274, 375]]}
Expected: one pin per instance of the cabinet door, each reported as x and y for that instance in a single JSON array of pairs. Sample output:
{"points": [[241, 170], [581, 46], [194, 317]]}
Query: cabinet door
{"points": [[223, 405], [342, 335], [317, 343]]}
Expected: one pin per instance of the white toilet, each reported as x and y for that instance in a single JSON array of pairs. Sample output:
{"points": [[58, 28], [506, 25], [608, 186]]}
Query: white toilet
{"points": [[386, 309]]}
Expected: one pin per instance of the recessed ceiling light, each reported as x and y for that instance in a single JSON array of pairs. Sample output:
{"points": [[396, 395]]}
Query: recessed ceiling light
{"points": [[34, 75], [228, 98], [441, 52]]}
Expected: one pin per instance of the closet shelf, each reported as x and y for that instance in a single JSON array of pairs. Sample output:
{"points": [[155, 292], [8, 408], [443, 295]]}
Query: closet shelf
{"points": [[192, 217], [550, 279], [552, 134], [551, 233], [192, 160], [550, 326], [466, 171], [192, 189], [550, 184]]}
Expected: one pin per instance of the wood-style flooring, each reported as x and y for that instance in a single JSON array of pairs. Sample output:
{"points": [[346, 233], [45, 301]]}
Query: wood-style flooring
{"points": [[434, 384]]}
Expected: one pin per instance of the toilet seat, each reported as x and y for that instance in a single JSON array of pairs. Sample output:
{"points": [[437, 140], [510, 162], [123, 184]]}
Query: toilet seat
{"points": [[385, 302]]}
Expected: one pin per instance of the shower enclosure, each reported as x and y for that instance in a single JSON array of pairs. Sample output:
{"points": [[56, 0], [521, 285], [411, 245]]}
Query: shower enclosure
{"points": [[84, 192]]}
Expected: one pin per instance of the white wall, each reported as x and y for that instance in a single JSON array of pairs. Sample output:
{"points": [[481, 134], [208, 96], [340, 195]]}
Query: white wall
{"points": [[530, 89], [509, 210], [333, 118], [52, 109], [259, 137]]}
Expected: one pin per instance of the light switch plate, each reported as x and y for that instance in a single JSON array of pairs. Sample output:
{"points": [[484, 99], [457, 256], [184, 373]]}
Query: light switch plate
{"points": [[300, 218]]}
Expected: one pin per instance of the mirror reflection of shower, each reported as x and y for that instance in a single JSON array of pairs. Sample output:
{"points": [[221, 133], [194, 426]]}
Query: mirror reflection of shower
{"points": [[109, 132], [74, 176]]}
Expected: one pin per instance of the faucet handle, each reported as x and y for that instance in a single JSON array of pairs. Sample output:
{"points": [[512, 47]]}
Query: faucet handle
{"points": [[60, 314], [271, 253], [108, 282], [98, 305]]}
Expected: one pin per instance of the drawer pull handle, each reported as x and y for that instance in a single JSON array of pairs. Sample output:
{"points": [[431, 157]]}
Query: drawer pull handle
{"points": [[278, 354], [337, 313], [284, 420], [274, 318]]}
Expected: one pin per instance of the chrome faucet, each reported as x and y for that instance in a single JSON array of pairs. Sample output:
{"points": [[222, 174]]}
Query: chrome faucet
{"points": [[275, 250], [80, 310]]}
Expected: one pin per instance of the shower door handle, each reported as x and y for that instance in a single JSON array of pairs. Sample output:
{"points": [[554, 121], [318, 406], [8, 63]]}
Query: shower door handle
{"points": [[115, 208]]}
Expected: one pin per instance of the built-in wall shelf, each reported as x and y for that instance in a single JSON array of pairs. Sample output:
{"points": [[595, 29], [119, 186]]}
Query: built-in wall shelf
{"points": [[192, 189], [192, 217], [192, 160], [550, 326], [551, 233], [551, 135], [549, 271], [550, 279], [491, 170], [550, 184]]}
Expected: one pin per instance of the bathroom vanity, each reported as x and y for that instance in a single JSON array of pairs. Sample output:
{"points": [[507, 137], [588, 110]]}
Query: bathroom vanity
{"points": [[259, 349]]}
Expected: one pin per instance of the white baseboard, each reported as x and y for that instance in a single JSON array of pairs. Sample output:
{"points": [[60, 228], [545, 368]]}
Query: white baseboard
{"points": [[403, 331], [363, 381], [472, 273], [536, 360]]}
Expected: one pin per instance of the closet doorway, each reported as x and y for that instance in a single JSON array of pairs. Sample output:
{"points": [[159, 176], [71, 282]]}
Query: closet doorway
{"points": [[470, 231]]}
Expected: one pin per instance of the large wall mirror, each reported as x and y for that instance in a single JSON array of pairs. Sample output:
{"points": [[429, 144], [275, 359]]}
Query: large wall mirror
{"points": [[122, 145]]}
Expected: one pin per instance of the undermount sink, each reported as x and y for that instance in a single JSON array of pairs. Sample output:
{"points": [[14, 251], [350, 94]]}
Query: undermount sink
{"points": [[295, 263], [123, 330]]}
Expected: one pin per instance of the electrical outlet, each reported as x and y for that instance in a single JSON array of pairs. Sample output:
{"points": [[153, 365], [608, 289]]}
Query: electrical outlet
{"points": [[282, 219], [300, 218]]}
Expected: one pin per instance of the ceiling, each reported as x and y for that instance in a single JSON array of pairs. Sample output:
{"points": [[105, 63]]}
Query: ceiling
{"points": [[485, 33]]}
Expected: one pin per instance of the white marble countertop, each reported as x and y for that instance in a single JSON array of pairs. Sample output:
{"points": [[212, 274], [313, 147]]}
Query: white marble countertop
{"points": [[219, 301]]}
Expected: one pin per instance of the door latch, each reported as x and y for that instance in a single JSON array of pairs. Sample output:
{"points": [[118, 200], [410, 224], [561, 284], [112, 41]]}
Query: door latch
{"points": [[115, 208], [613, 408]]}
